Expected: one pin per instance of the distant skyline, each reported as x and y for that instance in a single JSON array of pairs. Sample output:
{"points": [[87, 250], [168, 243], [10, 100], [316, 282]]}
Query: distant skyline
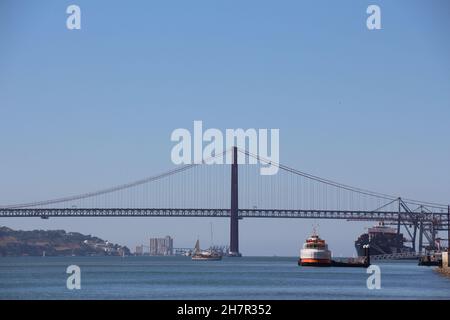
{"points": [[87, 109]]}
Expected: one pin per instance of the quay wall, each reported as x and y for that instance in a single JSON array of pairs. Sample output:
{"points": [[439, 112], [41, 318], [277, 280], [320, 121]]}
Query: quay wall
{"points": [[445, 267]]}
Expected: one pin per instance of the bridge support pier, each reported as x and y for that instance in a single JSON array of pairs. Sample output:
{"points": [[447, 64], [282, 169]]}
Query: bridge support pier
{"points": [[399, 213], [414, 237], [234, 212], [420, 236]]}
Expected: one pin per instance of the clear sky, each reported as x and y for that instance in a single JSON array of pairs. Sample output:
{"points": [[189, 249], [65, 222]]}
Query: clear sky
{"points": [[86, 109]]}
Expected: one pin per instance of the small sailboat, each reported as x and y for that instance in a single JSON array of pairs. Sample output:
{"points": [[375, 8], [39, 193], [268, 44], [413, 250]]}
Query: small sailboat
{"points": [[205, 255]]}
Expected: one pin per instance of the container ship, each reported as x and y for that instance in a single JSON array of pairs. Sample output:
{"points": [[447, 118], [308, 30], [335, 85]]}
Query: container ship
{"points": [[382, 240], [315, 253]]}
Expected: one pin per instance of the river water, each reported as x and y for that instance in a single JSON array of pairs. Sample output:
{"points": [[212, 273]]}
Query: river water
{"points": [[231, 278]]}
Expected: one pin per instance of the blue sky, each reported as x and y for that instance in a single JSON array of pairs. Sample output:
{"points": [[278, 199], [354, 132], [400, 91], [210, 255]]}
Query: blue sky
{"points": [[95, 107]]}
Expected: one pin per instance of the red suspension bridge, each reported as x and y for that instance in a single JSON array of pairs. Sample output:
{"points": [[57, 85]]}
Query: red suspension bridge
{"points": [[200, 190]]}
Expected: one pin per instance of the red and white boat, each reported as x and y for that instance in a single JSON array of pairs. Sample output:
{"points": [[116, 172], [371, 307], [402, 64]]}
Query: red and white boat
{"points": [[315, 253]]}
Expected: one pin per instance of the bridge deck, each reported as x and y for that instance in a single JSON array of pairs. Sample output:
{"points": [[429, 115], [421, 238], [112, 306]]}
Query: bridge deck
{"points": [[222, 213]]}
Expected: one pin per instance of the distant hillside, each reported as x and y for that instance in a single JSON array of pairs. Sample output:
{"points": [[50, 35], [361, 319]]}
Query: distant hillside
{"points": [[55, 243]]}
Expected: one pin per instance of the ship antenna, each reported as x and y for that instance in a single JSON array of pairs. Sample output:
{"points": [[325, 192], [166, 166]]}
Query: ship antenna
{"points": [[211, 234]]}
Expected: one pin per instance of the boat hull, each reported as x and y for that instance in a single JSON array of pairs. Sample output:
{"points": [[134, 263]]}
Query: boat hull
{"points": [[314, 262], [206, 259]]}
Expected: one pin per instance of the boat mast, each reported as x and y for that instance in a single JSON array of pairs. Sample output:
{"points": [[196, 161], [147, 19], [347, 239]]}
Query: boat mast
{"points": [[211, 235]]}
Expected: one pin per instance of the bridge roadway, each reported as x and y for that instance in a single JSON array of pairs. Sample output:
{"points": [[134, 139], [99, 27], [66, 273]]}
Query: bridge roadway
{"points": [[436, 218]]}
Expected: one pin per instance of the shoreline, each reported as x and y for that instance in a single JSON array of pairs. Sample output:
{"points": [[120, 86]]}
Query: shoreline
{"points": [[443, 272]]}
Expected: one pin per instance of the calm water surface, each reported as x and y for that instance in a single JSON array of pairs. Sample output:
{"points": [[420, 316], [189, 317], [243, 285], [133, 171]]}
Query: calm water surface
{"points": [[231, 278]]}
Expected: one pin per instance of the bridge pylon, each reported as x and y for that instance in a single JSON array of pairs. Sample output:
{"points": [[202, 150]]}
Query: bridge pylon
{"points": [[234, 212]]}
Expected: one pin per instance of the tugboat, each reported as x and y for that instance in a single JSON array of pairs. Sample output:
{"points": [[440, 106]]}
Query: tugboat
{"points": [[315, 253], [205, 255]]}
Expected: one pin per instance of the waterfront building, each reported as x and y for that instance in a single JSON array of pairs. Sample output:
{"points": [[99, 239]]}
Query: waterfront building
{"points": [[139, 250], [161, 246]]}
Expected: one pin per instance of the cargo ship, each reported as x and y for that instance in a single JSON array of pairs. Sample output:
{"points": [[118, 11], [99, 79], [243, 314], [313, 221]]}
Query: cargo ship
{"points": [[315, 253], [382, 240]]}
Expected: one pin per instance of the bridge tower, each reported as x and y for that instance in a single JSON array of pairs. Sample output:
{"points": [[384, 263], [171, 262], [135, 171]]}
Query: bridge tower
{"points": [[234, 212]]}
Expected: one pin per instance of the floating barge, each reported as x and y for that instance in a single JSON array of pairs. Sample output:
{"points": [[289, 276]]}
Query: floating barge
{"points": [[351, 263]]}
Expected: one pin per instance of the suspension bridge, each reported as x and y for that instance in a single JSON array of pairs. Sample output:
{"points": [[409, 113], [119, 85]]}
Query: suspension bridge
{"points": [[205, 190]]}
